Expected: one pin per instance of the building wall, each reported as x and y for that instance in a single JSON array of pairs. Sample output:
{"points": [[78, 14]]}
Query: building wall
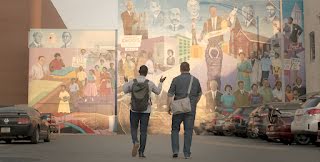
{"points": [[312, 23], [16, 19]]}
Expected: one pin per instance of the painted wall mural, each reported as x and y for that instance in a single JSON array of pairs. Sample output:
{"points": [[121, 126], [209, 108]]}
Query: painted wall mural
{"points": [[72, 75], [229, 44]]}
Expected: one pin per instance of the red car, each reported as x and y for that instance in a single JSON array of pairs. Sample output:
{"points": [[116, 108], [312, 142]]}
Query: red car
{"points": [[281, 129]]}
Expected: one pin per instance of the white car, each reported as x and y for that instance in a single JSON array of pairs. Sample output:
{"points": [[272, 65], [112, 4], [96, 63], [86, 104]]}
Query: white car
{"points": [[306, 123]]}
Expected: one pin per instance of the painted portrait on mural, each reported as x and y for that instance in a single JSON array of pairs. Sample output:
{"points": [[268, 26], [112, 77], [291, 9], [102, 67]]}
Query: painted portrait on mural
{"points": [[234, 48], [77, 83]]}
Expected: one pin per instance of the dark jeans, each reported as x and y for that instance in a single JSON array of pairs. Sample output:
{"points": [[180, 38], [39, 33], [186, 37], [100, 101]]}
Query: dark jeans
{"points": [[188, 123], [143, 119]]}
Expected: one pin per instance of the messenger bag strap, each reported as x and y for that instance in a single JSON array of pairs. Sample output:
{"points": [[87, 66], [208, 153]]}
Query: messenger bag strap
{"points": [[190, 84]]}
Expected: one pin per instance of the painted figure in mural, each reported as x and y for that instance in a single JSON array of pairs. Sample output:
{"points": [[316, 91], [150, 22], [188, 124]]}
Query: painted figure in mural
{"points": [[105, 83], [74, 93], [157, 17], [91, 89], [80, 59], [82, 76], [266, 66], [175, 20], [244, 70], [141, 60], [121, 63], [194, 8], [214, 57], [212, 24], [39, 70], [276, 66], [292, 31], [255, 97], [194, 32], [289, 93], [112, 72], [241, 95], [250, 18], [56, 63], [271, 13], [266, 92], [66, 38], [178, 90], [171, 61], [141, 117], [129, 18], [299, 87], [256, 74], [228, 100], [64, 97], [97, 73], [128, 67], [151, 67], [213, 97], [277, 92], [37, 40]]}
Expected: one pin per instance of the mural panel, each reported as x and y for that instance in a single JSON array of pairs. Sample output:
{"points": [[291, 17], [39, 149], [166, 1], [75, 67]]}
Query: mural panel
{"points": [[234, 47], [72, 75]]}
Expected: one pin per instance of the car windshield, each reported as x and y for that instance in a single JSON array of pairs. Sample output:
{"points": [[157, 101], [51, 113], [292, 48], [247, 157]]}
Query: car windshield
{"points": [[312, 102]]}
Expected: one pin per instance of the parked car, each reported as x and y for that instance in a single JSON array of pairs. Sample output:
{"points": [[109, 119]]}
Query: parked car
{"points": [[279, 128], [212, 127], [318, 139], [235, 124], [23, 123], [259, 119], [218, 123], [306, 123]]}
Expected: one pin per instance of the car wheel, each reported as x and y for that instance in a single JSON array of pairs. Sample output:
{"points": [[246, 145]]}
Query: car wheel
{"points": [[8, 141], [252, 135], [302, 139], [35, 136], [227, 133], [47, 139]]}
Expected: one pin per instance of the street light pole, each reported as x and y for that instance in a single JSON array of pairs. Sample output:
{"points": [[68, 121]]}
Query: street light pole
{"points": [[282, 53]]}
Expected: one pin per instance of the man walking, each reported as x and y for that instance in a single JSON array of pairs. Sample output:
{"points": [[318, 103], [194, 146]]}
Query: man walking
{"points": [[179, 90], [140, 89]]}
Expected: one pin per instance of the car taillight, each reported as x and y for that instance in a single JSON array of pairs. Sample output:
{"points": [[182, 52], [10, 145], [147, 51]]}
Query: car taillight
{"points": [[313, 111], [23, 121]]}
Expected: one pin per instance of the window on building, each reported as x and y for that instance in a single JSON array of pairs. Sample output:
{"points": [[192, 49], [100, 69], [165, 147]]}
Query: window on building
{"points": [[312, 46]]}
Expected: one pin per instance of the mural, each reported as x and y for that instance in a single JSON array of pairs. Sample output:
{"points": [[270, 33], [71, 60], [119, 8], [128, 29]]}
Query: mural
{"points": [[234, 47], [72, 75]]}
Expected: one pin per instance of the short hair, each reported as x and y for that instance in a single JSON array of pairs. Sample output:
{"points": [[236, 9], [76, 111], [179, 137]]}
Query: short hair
{"points": [[290, 18], [212, 7], [65, 32], [254, 85], [298, 78], [239, 82], [226, 86], [184, 67], [170, 50], [143, 70], [57, 54], [242, 53], [36, 33], [278, 82], [40, 57], [270, 4]]}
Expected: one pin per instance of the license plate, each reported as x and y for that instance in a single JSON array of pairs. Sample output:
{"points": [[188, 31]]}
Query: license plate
{"points": [[5, 130]]}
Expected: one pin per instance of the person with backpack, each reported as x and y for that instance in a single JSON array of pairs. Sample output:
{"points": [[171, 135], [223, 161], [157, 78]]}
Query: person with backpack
{"points": [[140, 89], [183, 97]]}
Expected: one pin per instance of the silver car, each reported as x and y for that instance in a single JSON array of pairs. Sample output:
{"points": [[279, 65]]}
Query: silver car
{"points": [[306, 123]]}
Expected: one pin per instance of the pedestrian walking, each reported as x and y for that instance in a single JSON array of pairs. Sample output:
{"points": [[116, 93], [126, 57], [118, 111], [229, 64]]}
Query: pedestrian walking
{"points": [[185, 89], [140, 89]]}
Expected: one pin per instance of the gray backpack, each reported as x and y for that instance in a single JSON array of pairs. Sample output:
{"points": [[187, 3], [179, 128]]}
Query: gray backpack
{"points": [[140, 96]]}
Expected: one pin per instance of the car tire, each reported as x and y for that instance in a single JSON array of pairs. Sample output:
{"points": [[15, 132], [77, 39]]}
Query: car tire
{"points": [[228, 133], [47, 139], [8, 141], [35, 136], [302, 139], [252, 135]]}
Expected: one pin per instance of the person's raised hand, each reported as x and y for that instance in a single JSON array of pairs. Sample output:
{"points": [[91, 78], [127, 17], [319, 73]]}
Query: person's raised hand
{"points": [[162, 79]]}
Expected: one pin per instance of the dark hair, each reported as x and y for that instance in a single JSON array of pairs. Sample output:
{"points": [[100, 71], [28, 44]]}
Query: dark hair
{"points": [[299, 79], [288, 85], [57, 54], [226, 86], [40, 57], [290, 18], [143, 70], [104, 68], [278, 82], [239, 82], [254, 85], [170, 50], [184, 67]]}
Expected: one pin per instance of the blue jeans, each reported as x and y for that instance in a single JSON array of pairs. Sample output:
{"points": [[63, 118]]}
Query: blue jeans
{"points": [[188, 123], [143, 119]]}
